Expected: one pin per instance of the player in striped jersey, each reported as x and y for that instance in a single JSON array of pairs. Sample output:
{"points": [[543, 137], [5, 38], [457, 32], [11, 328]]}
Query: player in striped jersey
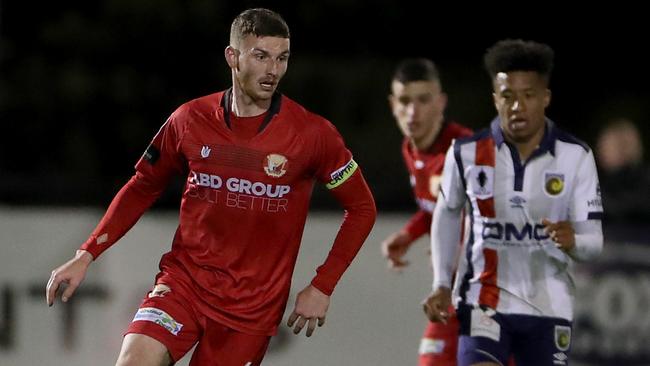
{"points": [[535, 209]]}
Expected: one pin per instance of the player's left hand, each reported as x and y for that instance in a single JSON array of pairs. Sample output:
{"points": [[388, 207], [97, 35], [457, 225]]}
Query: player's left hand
{"points": [[561, 233], [394, 248], [311, 307]]}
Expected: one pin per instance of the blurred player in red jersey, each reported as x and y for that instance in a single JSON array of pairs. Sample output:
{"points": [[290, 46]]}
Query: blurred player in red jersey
{"points": [[418, 104], [250, 156]]}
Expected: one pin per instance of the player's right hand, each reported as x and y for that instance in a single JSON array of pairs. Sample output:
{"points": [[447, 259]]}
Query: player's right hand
{"points": [[394, 247], [436, 306], [70, 273]]}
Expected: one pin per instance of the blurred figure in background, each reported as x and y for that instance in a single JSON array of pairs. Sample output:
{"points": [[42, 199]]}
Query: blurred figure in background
{"points": [[418, 105], [624, 178]]}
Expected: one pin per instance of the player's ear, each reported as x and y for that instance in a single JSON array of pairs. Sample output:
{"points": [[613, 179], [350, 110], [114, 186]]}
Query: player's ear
{"points": [[442, 101], [547, 98], [232, 57], [391, 101]]}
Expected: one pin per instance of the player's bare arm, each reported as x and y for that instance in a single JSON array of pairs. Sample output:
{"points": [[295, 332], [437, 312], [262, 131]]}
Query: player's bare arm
{"points": [[71, 273], [310, 309]]}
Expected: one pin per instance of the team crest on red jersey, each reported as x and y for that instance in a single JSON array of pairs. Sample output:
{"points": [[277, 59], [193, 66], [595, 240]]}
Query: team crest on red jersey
{"points": [[276, 165]]}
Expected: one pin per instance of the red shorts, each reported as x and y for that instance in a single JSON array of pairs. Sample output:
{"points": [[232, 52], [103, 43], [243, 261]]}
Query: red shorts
{"points": [[439, 343], [167, 315]]}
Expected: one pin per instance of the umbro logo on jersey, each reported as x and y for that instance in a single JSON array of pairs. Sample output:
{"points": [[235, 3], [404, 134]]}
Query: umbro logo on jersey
{"points": [[276, 165], [517, 202], [554, 184], [205, 151], [560, 358]]}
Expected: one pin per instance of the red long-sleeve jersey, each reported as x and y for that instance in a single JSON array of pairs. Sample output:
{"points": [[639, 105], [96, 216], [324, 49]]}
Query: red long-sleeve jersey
{"points": [[244, 206], [425, 169]]}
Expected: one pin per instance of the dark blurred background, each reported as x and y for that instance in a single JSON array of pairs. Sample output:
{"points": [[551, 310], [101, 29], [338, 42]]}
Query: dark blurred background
{"points": [[85, 85]]}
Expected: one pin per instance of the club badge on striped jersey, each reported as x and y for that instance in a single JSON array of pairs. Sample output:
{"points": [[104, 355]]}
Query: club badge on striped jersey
{"points": [[275, 165], [553, 184], [562, 337], [481, 181]]}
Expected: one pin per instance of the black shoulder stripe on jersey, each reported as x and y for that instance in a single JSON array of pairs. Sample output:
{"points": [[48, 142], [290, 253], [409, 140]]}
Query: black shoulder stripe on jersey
{"points": [[568, 138], [595, 216]]}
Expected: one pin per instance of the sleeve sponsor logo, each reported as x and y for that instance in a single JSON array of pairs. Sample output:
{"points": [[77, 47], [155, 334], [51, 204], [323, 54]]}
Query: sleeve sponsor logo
{"points": [[595, 203], [342, 174], [159, 317], [152, 154]]}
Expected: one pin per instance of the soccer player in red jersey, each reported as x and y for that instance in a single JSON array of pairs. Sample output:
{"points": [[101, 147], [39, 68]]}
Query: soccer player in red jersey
{"points": [[418, 104], [250, 156]]}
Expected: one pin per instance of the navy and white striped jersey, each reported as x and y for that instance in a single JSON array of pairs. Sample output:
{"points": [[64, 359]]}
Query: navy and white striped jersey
{"points": [[508, 262]]}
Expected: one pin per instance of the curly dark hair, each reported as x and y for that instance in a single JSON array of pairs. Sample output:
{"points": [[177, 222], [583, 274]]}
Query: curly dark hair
{"points": [[519, 55]]}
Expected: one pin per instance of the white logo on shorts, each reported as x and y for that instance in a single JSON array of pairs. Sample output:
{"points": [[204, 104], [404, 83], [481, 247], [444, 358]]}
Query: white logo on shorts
{"points": [[431, 346], [159, 317]]}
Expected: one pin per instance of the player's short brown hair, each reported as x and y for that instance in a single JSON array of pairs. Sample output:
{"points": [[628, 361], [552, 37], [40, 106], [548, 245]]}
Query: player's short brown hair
{"points": [[259, 22]]}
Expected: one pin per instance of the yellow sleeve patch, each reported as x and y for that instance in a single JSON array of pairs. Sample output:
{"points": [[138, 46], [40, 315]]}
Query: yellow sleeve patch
{"points": [[342, 174]]}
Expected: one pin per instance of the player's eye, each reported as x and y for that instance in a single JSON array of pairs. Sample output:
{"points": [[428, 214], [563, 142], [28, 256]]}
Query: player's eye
{"points": [[425, 98]]}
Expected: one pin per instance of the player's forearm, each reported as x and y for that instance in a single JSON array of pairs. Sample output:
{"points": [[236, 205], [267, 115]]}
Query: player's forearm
{"points": [[445, 236], [418, 225], [360, 214], [128, 205], [588, 240]]}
